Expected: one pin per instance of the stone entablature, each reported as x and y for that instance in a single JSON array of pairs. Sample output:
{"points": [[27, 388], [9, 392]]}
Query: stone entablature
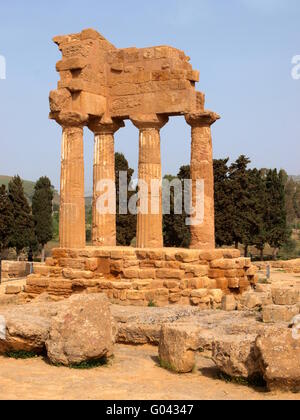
{"points": [[96, 78], [132, 276]]}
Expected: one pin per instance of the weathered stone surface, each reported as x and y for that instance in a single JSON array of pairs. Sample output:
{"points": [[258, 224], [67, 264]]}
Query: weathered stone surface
{"points": [[143, 325], [279, 313], [27, 327], [202, 232], [279, 356], [285, 295], [173, 271], [177, 347], [229, 303], [81, 331], [13, 290], [235, 355]]}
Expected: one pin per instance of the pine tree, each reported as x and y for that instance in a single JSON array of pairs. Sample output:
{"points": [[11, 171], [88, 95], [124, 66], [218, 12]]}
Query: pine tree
{"points": [[6, 222], [23, 231], [42, 212], [176, 232], [126, 223], [276, 218]]}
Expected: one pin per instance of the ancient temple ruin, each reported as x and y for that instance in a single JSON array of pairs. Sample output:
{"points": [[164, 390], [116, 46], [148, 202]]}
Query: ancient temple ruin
{"points": [[100, 87]]}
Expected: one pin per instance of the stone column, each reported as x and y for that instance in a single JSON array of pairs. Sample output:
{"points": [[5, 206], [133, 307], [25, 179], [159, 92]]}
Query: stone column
{"points": [[104, 225], [72, 205], [150, 226], [203, 231]]}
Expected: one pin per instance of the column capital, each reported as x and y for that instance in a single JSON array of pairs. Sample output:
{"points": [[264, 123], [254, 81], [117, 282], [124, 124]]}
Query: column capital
{"points": [[105, 125], [149, 121], [202, 119], [70, 119]]}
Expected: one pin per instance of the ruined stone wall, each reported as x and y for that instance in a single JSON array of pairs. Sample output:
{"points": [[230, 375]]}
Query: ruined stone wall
{"points": [[139, 276], [98, 79], [151, 80]]}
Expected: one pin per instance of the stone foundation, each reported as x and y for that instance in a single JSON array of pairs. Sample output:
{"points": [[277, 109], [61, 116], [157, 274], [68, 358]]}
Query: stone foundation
{"points": [[143, 277]]}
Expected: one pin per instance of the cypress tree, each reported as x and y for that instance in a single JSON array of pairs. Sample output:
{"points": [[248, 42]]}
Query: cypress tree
{"points": [[255, 228], [23, 231], [176, 232], [42, 212], [126, 223], [276, 217], [6, 222]]}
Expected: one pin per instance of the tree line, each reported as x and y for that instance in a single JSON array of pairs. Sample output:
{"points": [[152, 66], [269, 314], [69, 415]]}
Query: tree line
{"points": [[253, 207], [25, 226]]}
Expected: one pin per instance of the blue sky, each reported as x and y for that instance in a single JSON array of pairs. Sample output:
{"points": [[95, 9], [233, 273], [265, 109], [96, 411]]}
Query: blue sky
{"points": [[243, 49]]}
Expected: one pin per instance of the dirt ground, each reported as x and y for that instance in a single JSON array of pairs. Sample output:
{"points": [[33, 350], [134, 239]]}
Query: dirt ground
{"points": [[132, 375]]}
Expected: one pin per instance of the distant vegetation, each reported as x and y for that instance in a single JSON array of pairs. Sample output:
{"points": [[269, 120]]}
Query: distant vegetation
{"points": [[28, 188], [262, 212]]}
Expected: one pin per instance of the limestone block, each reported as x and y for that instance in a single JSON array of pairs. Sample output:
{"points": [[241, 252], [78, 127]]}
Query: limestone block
{"points": [[233, 283], [216, 295], [229, 303], [279, 313], [91, 264], [195, 270], [169, 274], [211, 255], [13, 290], [222, 283], [190, 256], [279, 360], [196, 283], [285, 296], [177, 347], [135, 295]]}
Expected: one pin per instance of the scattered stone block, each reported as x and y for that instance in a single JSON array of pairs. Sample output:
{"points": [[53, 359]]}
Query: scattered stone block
{"points": [[279, 313], [285, 296], [229, 303], [235, 356], [13, 290], [177, 347], [81, 331], [279, 356]]}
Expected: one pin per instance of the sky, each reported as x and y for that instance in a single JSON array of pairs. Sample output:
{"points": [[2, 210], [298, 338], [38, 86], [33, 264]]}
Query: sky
{"points": [[243, 49]]}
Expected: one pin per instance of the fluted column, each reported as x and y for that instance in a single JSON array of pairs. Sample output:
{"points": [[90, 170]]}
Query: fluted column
{"points": [[72, 205], [150, 219], [203, 225], [104, 225]]}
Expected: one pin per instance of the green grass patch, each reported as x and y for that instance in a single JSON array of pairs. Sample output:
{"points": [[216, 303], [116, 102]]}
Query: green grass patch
{"points": [[87, 365], [167, 366], [90, 364], [151, 304], [21, 355], [256, 381], [264, 281]]}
